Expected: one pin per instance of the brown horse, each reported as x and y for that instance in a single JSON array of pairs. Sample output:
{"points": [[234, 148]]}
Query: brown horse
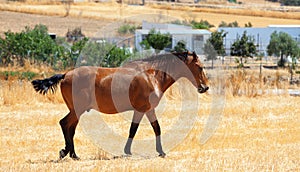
{"points": [[138, 85]]}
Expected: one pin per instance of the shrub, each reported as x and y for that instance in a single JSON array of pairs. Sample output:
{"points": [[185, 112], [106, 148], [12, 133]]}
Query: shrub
{"points": [[156, 40], [203, 24], [127, 29], [180, 46], [102, 54], [33, 44], [232, 24]]}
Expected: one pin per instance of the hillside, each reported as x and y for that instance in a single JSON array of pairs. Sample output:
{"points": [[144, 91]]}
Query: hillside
{"points": [[91, 17]]}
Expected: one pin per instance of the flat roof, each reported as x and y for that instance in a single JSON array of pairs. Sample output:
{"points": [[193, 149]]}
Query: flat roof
{"points": [[283, 26], [177, 31]]}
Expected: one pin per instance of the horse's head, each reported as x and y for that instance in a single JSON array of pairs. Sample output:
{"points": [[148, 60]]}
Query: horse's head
{"points": [[199, 79]]}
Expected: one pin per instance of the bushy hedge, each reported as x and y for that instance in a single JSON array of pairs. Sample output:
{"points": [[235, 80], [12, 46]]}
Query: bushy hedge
{"points": [[32, 44], [37, 47], [102, 54]]}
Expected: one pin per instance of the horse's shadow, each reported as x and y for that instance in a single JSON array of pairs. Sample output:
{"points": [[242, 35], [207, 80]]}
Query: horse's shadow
{"points": [[96, 158]]}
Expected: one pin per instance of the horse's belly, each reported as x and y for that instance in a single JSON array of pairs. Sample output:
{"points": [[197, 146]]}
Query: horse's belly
{"points": [[110, 101]]}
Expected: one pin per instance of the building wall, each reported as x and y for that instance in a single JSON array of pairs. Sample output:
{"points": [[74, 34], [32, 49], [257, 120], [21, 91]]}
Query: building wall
{"points": [[260, 35], [186, 38], [193, 38], [192, 44]]}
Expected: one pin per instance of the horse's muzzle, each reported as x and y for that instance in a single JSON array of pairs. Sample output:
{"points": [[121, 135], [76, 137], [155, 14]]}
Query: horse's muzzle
{"points": [[202, 88]]}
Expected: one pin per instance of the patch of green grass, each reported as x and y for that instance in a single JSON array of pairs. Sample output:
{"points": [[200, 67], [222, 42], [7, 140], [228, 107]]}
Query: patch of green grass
{"points": [[18, 75], [27, 75]]}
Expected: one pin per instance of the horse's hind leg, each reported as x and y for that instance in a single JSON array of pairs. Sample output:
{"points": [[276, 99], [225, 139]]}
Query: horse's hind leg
{"points": [[137, 117], [155, 125], [68, 125]]}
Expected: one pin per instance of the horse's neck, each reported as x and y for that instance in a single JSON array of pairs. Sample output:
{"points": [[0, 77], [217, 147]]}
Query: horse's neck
{"points": [[164, 80], [167, 71], [166, 75]]}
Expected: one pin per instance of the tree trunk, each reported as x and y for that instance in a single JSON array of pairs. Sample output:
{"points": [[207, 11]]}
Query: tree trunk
{"points": [[291, 71], [281, 60], [242, 65]]}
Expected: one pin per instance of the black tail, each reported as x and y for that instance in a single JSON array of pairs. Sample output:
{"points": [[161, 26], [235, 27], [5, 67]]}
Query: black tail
{"points": [[42, 86]]}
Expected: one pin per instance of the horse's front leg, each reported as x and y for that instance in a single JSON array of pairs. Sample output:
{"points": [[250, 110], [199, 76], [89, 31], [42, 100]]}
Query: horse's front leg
{"points": [[137, 117], [155, 125]]}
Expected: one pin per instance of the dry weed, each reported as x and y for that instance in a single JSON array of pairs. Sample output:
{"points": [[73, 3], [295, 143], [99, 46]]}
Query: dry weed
{"points": [[14, 92], [254, 134]]}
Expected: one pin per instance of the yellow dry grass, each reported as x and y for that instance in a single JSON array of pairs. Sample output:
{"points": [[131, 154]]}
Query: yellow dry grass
{"points": [[254, 134], [250, 10], [112, 11]]}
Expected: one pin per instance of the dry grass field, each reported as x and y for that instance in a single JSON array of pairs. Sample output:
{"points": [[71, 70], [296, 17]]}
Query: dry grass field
{"points": [[255, 133], [92, 17]]}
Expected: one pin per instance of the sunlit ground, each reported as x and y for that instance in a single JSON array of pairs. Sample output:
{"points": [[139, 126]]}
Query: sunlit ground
{"points": [[260, 133]]}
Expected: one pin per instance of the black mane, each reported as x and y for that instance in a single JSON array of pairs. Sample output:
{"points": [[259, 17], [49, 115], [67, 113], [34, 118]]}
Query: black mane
{"points": [[159, 58]]}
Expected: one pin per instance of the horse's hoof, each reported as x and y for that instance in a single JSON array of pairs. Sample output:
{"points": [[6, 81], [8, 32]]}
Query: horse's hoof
{"points": [[162, 155], [62, 154], [128, 152], [74, 157], [127, 155]]}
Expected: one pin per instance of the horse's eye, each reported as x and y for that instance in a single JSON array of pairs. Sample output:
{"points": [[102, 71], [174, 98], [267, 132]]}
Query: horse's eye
{"points": [[200, 69]]}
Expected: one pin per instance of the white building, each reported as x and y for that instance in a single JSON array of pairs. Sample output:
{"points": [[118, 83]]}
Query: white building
{"points": [[261, 35], [194, 38]]}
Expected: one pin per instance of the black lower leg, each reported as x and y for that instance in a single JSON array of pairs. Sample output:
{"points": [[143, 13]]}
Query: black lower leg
{"points": [[133, 129], [132, 132], [156, 128], [72, 149], [64, 152]]}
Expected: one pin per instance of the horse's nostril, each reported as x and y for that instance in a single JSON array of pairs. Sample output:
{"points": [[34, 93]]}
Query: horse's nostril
{"points": [[203, 89]]}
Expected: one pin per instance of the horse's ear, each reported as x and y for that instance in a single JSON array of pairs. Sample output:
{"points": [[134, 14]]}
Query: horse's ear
{"points": [[195, 57]]}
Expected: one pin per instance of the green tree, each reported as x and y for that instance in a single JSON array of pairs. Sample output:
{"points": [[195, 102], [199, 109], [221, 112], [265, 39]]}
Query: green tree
{"points": [[180, 47], [214, 46], [156, 40], [102, 54], [291, 2], [243, 47], [32, 44], [203, 24], [70, 55], [282, 44], [115, 57]]}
